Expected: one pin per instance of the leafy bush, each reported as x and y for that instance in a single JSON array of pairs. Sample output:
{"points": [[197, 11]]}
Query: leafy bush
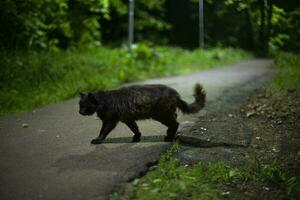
{"points": [[150, 22], [53, 24], [45, 24]]}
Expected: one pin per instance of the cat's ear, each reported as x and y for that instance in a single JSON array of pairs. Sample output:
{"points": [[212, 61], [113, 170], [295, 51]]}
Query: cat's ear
{"points": [[82, 94]]}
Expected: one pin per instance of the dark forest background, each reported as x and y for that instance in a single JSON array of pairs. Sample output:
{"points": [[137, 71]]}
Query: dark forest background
{"points": [[257, 25]]}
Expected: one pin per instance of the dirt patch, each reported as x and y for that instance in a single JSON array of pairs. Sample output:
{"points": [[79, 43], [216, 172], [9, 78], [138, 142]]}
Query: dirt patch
{"points": [[265, 128], [252, 190], [215, 138], [276, 117]]}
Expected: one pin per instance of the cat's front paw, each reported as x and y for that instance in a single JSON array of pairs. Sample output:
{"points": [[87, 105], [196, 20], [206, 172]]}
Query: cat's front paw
{"points": [[96, 141], [136, 139]]}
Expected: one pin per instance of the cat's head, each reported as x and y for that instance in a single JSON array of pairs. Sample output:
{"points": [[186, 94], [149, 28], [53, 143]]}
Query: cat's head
{"points": [[87, 104]]}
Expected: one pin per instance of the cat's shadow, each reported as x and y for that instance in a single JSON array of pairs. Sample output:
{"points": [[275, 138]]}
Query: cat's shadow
{"points": [[113, 150], [144, 139]]}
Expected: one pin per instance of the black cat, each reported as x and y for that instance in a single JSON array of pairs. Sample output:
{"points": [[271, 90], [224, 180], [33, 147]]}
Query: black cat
{"points": [[132, 103]]}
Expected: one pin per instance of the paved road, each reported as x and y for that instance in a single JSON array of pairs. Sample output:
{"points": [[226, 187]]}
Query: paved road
{"points": [[52, 158]]}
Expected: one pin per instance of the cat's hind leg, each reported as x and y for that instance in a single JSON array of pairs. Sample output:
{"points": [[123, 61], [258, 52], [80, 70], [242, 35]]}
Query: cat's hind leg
{"points": [[172, 124], [135, 129]]}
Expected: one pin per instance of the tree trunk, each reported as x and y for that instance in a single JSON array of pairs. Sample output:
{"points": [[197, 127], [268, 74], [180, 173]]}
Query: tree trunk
{"points": [[262, 33], [269, 23], [250, 35]]}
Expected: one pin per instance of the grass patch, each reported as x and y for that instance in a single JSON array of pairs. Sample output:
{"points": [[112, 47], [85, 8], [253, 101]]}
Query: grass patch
{"points": [[29, 80], [288, 78], [172, 180], [272, 174]]}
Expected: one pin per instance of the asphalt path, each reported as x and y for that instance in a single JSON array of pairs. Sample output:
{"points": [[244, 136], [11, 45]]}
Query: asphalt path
{"points": [[46, 153]]}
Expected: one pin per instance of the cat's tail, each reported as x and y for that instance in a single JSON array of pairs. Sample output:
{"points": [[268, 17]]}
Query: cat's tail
{"points": [[197, 105]]}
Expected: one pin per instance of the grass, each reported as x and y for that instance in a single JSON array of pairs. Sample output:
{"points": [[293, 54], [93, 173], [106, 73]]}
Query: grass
{"points": [[172, 180], [288, 78], [31, 79], [272, 174]]}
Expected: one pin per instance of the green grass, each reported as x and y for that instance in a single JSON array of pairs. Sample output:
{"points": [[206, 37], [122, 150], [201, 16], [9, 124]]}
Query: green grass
{"points": [[172, 180], [29, 80], [271, 174], [288, 78]]}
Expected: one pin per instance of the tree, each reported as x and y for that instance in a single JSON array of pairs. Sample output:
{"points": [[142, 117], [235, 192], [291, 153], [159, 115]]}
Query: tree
{"points": [[44, 24]]}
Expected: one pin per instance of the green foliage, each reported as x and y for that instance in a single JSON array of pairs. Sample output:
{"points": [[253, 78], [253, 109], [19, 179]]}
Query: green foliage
{"points": [[149, 22], [288, 78], [144, 52], [31, 79], [52, 24], [256, 25], [172, 180], [281, 32], [209, 58], [60, 24], [292, 30], [84, 19], [48, 24], [271, 174]]}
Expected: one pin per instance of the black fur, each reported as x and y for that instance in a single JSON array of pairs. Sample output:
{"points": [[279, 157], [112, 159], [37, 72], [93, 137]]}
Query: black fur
{"points": [[132, 103]]}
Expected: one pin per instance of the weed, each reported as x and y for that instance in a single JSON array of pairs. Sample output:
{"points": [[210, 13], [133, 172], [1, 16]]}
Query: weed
{"points": [[271, 174], [172, 180]]}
